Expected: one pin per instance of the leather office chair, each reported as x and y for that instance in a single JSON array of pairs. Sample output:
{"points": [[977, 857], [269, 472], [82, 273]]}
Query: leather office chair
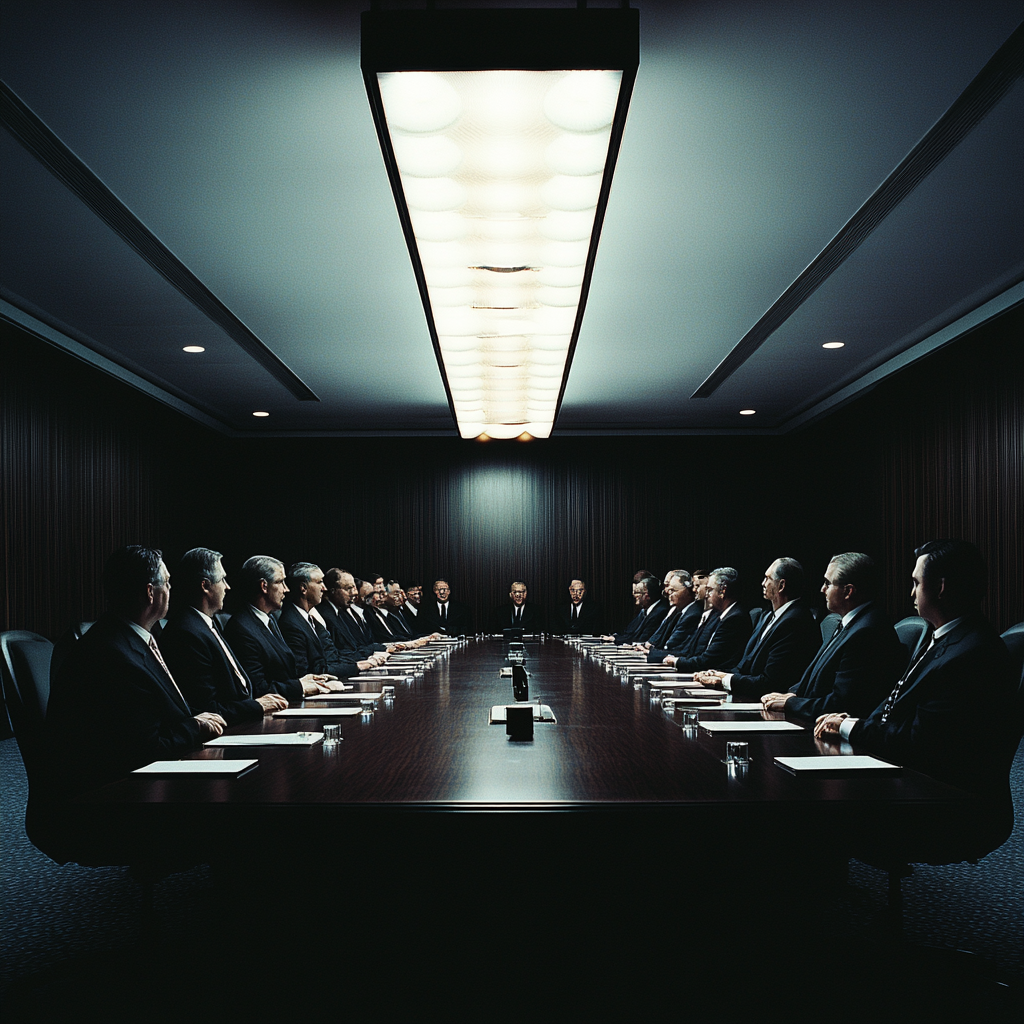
{"points": [[755, 617], [25, 677], [828, 626], [911, 632], [222, 619]]}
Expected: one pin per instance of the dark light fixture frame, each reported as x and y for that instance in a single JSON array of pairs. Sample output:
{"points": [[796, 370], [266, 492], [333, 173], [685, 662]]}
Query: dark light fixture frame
{"points": [[500, 40]]}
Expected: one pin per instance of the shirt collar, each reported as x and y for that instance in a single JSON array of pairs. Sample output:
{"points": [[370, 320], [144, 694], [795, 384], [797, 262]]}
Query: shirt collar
{"points": [[942, 630], [146, 636], [261, 615], [854, 612]]}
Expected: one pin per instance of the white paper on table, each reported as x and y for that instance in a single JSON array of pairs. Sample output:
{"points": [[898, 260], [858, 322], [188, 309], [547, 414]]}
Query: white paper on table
{"points": [[837, 762], [206, 766], [755, 725], [739, 706], [317, 712], [707, 703], [268, 739], [348, 695]]}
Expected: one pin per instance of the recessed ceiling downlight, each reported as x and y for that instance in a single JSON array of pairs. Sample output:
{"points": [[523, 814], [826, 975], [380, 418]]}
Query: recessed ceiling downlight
{"points": [[261, 414], [194, 348], [834, 344], [747, 412]]}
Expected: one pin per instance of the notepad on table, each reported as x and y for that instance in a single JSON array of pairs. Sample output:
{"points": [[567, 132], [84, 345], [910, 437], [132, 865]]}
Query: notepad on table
{"points": [[541, 713], [755, 725], [268, 739], [317, 712], [204, 766], [349, 695], [836, 762]]}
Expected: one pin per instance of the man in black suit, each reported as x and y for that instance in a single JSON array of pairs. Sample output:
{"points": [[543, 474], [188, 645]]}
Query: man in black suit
{"points": [[651, 609], [413, 600], [578, 615], [926, 722], [210, 676], [680, 623], [340, 590], [444, 615], [256, 639], [114, 704], [720, 640], [856, 667], [306, 633], [783, 645], [519, 613], [391, 625]]}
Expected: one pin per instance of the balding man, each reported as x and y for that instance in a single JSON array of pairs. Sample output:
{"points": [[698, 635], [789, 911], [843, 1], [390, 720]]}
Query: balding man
{"points": [[856, 667], [578, 615]]}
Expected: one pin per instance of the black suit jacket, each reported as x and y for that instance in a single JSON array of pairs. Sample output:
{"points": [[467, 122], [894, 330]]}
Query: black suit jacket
{"points": [[532, 622], [268, 662], [855, 674], [590, 621], [203, 672], [776, 662], [720, 644], [397, 630], [644, 625], [312, 645], [933, 729], [343, 632], [675, 633], [459, 621], [112, 709]]}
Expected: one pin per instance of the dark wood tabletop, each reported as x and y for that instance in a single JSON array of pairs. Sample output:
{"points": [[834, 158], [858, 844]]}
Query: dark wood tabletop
{"points": [[612, 743]]}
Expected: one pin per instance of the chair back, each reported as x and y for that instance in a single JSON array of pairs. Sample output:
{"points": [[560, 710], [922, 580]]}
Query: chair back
{"points": [[25, 676], [222, 619], [755, 617], [911, 632], [1014, 640], [828, 626]]}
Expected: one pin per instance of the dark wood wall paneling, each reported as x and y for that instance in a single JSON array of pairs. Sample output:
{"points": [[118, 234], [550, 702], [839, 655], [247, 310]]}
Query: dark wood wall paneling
{"points": [[88, 464]]}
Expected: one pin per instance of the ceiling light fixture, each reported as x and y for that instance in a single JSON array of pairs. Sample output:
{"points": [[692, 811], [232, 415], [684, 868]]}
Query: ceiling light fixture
{"points": [[747, 412], [834, 344], [500, 130], [193, 349], [261, 414]]}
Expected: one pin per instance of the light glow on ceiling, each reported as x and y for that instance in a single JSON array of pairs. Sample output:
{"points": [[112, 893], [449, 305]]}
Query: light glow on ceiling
{"points": [[194, 349], [834, 344], [502, 173]]}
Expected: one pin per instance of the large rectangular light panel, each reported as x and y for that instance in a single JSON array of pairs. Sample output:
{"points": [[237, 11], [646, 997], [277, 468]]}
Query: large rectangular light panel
{"points": [[501, 174]]}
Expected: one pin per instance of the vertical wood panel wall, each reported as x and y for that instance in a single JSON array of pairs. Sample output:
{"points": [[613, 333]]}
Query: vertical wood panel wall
{"points": [[934, 452]]}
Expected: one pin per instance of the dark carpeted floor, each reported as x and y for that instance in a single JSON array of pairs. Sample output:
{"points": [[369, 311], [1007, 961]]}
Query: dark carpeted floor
{"points": [[74, 948]]}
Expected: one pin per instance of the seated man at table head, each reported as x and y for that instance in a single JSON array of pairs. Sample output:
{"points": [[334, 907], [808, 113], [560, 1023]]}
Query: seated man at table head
{"points": [[211, 678], [114, 704], [518, 613], [579, 615], [306, 632], [680, 623], [950, 714], [443, 614], [720, 640], [854, 668], [782, 646], [256, 638]]}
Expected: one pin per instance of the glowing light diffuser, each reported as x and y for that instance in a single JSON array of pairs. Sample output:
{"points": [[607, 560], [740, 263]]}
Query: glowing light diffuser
{"points": [[501, 174]]}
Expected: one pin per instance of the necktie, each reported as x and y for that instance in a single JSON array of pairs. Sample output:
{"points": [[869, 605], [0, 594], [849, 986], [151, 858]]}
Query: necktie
{"points": [[231, 658], [163, 664], [898, 688], [275, 628], [575, 613], [444, 613]]}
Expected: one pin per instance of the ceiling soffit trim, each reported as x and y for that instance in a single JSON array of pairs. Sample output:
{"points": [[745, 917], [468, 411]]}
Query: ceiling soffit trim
{"points": [[968, 110], [31, 132]]}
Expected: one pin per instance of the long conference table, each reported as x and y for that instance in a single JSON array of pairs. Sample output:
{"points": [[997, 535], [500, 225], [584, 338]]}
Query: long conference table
{"points": [[430, 867], [615, 767]]}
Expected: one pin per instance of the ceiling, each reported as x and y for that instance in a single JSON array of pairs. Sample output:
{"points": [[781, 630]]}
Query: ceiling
{"points": [[239, 135]]}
